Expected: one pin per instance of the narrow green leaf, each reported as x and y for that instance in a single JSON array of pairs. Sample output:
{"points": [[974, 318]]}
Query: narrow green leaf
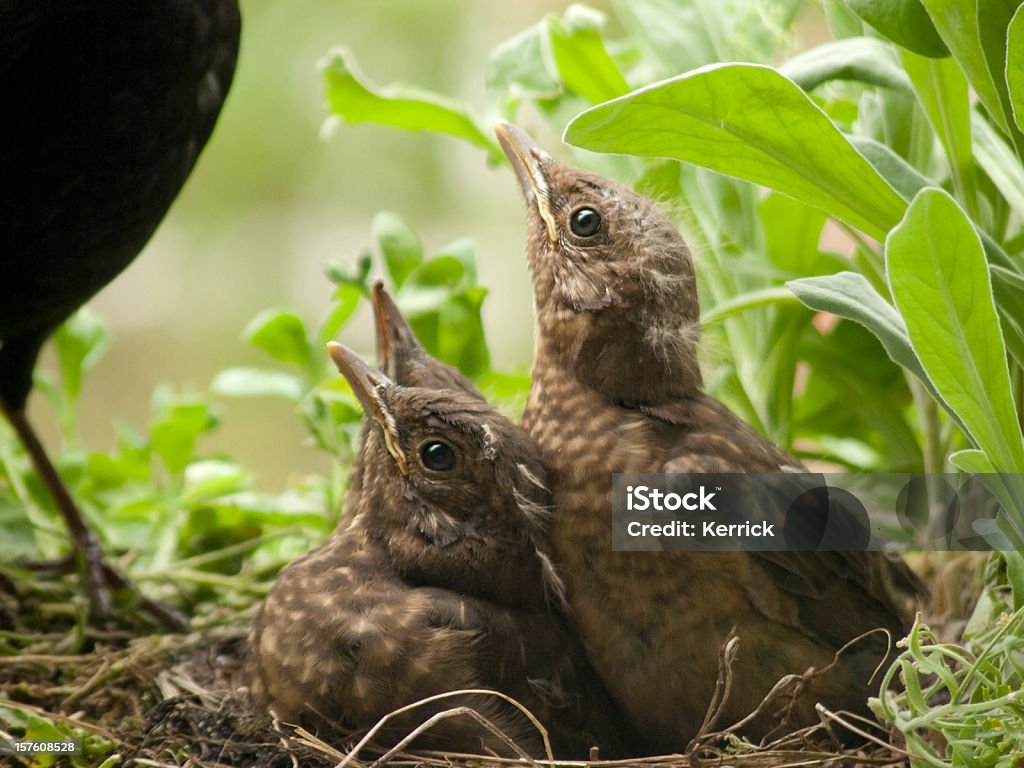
{"points": [[942, 92], [959, 24], [750, 122], [343, 305], [399, 245], [940, 280], [746, 301], [583, 63], [1015, 66], [850, 295], [904, 22], [998, 160], [864, 59], [897, 172], [353, 101]]}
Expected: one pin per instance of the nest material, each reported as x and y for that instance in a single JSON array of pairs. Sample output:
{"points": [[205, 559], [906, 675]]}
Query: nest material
{"points": [[180, 700]]}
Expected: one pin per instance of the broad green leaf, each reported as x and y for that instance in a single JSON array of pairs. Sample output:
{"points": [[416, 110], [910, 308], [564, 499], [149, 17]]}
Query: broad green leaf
{"points": [[850, 295], [904, 22], [999, 161], [520, 67], [750, 122], [399, 245], [257, 382], [350, 99], [960, 25], [864, 59], [942, 92], [940, 280], [281, 334], [578, 52], [1015, 66]]}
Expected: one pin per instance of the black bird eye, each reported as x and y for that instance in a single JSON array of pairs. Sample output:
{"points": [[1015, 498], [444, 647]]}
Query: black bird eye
{"points": [[585, 222], [438, 456]]}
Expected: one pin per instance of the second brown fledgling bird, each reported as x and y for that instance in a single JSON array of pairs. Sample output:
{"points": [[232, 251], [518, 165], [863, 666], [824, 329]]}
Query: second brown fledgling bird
{"points": [[617, 388], [440, 582], [404, 360]]}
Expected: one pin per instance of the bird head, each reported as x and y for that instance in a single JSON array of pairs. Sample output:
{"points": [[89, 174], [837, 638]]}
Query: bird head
{"points": [[454, 489], [614, 283], [403, 358]]}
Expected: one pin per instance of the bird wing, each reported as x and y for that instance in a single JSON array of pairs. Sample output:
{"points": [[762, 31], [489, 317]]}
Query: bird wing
{"points": [[833, 592]]}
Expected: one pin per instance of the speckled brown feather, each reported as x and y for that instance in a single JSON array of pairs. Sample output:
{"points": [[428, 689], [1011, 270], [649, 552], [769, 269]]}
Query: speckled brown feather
{"points": [[616, 388], [441, 582]]}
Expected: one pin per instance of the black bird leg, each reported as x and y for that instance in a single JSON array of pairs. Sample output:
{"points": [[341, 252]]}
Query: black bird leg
{"points": [[100, 577]]}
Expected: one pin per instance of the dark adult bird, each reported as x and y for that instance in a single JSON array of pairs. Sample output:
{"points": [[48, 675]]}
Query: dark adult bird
{"points": [[617, 388], [107, 105], [441, 582]]}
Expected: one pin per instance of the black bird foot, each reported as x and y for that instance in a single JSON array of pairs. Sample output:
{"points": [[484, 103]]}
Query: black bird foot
{"points": [[100, 578]]}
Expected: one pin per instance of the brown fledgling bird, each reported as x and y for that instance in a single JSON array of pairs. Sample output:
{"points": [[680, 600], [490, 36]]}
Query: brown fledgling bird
{"points": [[107, 106], [617, 388], [440, 582], [404, 360]]}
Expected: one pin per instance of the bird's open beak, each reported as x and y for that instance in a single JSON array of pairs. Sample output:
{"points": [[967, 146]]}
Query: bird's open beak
{"points": [[366, 383], [395, 338], [528, 161]]}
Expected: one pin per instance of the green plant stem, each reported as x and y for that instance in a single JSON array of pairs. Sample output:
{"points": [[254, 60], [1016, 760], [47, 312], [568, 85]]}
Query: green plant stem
{"points": [[933, 454]]}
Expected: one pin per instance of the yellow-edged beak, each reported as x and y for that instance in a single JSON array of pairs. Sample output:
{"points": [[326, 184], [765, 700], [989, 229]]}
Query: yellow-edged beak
{"points": [[366, 383], [528, 161]]}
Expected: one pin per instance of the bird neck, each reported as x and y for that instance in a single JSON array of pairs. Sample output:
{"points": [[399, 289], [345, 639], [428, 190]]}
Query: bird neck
{"points": [[616, 359]]}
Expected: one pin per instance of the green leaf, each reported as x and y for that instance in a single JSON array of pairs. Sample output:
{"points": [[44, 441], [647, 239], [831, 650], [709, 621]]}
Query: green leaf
{"points": [[281, 334], [750, 122], [764, 297], [791, 233], [1015, 66], [864, 59], [79, 342], [904, 22], [897, 172], [399, 245], [343, 305], [353, 101], [942, 92], [850, 295], [578, 52], [257, 382], [967, 33], [940, 280], [176, 429], [521, 67], [998, 161]]}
